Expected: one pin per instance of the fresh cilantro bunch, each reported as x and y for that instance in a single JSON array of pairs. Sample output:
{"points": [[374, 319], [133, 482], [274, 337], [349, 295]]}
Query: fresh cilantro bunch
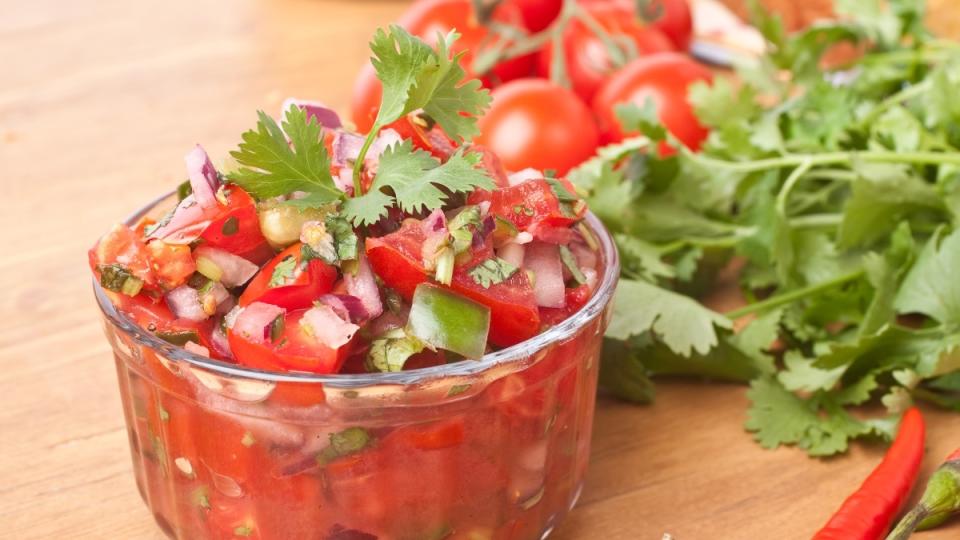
{"points": [[833, 197], [276, 160]]}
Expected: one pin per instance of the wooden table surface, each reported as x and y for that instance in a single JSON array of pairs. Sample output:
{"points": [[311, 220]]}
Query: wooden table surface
{"points": [[99, 101]]}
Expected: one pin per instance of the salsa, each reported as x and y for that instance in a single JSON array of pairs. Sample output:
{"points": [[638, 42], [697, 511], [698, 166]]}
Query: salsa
{"points": [[322, 251]]}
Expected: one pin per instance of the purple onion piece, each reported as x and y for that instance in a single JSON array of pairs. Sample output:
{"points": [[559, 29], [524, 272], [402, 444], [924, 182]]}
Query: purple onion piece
{"points": [[325, 116], [347, 306], [204, 179], [346, 148]]}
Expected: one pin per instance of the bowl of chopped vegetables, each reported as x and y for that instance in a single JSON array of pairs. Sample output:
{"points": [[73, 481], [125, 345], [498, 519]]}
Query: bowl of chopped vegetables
{"points": [[359, 336]]}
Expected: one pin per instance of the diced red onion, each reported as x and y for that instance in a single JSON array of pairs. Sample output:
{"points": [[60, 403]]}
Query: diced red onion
{"points": [[520, 177], [184, 302], [486, 228], [347, 306], [544, 261], [328, 327], [554, 235], [435, 223], [586, 257], [255, 320], [220, 344], [220, 295], [188, 222], [344, 180], [512, 253], [346, 148], [204, 179], [363, 285], [385, 139], [197, 349], [235, 269], [388, 321], [325, 116]]}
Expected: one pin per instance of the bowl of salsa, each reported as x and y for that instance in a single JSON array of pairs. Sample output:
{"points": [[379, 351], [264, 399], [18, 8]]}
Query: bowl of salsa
{"points": [[345, 336]]}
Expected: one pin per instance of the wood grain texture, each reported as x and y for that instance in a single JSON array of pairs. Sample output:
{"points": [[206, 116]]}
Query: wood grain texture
{"points": [[99, 101]]}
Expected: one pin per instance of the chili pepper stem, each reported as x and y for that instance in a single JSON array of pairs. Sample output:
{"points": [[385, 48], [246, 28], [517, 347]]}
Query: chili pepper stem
{"points": [[909, 523]]}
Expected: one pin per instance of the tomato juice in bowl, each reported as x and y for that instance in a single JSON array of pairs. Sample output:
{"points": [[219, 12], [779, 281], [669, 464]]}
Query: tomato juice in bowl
{"points": [[492, 448]]}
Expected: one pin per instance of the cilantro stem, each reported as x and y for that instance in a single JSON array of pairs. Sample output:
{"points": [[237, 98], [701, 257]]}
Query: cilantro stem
{"points": [[792, 180], [815, 221], [361, 158], [906, 94], [828, 158], [792, 296], [616, 53]]}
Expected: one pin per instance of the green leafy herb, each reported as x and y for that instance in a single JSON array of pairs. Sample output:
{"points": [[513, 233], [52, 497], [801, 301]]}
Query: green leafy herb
{"points": [[344, 443], [178, 337], [283, 271], [117, 278], [391, 351], [272, 166], [412, 179], [831, 199], [492, 271], [566, 256]]}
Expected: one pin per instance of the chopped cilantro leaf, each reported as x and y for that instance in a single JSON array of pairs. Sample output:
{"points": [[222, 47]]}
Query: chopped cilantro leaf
{"points": [[390, 351], [566, 256], [492, 271], [344, 443], [283, 272]]}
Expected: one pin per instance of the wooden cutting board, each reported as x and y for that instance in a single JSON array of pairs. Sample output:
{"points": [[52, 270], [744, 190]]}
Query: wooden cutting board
{"points": [[98, 102]]}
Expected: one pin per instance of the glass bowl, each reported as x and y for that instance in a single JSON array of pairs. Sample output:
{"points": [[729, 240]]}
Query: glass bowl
{"points": [[494, 449]]}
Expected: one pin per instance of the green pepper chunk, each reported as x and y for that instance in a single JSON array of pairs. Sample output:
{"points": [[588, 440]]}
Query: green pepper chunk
{"points": [[446, 320]]}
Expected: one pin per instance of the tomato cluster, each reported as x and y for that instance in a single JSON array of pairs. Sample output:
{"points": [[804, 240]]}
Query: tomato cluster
{"points": [[553, 114]]}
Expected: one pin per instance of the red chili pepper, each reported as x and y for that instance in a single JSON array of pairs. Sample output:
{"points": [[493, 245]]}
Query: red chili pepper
{"points": [[940, 500], [868, 513]]}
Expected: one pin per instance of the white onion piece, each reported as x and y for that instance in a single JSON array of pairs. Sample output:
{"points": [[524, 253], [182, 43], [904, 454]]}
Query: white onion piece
{"points": [[204, 179], [325, 116], [196, 349], [592, 277], [235, 269], [186, 225], [253, 323], [328, 327], [544, 261], [523, 238], [520, 177], [512, 253], [586, 257], [184, 302], [363, 285]]}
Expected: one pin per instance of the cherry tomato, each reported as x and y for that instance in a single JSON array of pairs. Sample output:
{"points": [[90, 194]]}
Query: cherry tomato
{"points": [[537, 14], [664, 78], [299, 289], [535, 123], [588, 61], [397, 259], [293, 350], [425, 19], [675, 18], [528, 204]]}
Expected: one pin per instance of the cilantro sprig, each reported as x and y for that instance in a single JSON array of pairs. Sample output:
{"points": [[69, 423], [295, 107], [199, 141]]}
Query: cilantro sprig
{"points": [[835, 195], [279, 159]]}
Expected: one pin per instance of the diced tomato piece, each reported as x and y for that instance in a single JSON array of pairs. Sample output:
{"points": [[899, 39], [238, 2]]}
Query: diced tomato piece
{"points": [[397, 259], [307, 284], [173, 264], [122, 246], [293, 350], [431, 436], [529, 203], [492, 165], [432, 140], [236, 227]]}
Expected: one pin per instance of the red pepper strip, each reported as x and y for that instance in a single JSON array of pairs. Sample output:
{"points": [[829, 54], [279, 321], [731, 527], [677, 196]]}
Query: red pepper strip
{"points": [[940, 500], [868, 513]]}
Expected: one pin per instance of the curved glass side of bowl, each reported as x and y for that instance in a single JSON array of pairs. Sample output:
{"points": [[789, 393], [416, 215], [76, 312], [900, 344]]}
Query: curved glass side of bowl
{"points": [[488, 449]]}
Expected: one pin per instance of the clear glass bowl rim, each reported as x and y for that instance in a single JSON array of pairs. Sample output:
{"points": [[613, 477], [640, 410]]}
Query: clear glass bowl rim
{"points": [[504, 357]]}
